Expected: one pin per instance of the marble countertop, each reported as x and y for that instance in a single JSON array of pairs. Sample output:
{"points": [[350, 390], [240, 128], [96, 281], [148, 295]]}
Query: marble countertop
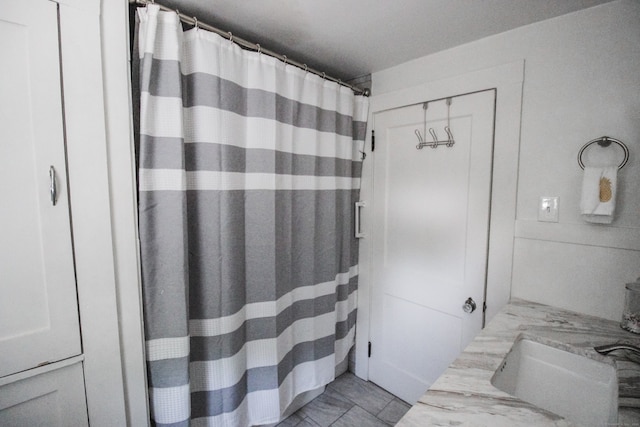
{"points": [[464, 395]]}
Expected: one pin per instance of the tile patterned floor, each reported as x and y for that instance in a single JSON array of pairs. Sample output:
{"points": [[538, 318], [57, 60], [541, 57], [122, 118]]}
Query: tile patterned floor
{"points": [[349, 402]]}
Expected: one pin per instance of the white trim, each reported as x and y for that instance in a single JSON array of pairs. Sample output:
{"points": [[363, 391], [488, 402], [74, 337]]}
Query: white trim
{"points": [[90, 211], [122, 182], [580, 234], [507, 79]]}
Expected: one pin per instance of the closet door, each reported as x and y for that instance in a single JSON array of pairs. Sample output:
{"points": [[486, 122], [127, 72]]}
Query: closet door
{"points": [[38, 304]]}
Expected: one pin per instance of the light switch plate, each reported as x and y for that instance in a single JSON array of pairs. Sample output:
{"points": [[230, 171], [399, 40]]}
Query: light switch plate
{"points": [[548, 209]]}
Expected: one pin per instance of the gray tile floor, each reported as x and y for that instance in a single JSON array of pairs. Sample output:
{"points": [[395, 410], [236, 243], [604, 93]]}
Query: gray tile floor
{"points": [[350, 402]]}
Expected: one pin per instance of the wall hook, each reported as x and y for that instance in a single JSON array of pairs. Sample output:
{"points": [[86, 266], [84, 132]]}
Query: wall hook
{"points": [[434, 144]]}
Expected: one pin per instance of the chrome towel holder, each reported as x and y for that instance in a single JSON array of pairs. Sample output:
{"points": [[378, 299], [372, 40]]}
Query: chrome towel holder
{"points": [[605, 141]]}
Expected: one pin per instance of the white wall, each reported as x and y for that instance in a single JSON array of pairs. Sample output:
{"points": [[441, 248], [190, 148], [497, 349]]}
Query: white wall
{"points": [[582, 81]]}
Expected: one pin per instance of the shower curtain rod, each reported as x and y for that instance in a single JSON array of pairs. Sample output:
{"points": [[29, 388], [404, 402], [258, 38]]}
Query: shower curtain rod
{"points": [[251, 46]]}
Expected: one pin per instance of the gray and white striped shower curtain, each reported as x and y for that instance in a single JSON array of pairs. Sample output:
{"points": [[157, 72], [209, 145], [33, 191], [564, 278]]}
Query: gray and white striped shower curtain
{"points": [[248, 172]]}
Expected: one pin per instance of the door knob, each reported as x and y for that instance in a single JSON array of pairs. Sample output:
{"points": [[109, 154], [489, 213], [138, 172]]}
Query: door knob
{"points": [[469, 305]]}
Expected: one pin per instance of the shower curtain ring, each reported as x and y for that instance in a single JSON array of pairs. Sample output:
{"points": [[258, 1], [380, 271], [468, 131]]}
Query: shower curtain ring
{"points": [[230, 37], [305, 67], [324, 76], [284, 58], [258, 48], [195, 23]]}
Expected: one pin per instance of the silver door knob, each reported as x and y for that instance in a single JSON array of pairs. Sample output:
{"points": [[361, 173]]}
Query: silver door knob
{"points": [[469, 305]]}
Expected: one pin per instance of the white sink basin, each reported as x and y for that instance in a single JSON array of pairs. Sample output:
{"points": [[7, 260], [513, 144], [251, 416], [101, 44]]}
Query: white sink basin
{"points": [[575, 387]]}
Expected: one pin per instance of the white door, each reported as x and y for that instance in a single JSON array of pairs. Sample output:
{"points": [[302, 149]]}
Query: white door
{"points": [[38, 305], [431, 227]]}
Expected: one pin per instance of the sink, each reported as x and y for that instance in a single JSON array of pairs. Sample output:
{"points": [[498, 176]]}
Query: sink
{"points": [[575, 387]]}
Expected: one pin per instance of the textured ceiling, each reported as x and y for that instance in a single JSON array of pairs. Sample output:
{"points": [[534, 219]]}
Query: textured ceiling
{"points": [[351, 38]]}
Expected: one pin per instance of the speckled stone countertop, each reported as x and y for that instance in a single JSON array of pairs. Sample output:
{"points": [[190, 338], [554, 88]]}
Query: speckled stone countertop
{"points": [[464, 395]]}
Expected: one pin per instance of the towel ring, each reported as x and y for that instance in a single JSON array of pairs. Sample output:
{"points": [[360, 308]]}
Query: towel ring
{"points": [[605, 141]]}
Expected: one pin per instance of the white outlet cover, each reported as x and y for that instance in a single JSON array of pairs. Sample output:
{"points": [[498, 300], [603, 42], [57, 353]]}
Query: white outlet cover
{"points": [[548, 209]]}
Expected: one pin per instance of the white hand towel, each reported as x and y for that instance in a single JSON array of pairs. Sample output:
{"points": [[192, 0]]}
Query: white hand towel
{"points": [[599, 187]]}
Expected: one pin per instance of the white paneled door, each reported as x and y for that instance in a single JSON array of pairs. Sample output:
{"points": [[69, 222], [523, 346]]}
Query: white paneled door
{"points": [[38, 304], [431, 222]]}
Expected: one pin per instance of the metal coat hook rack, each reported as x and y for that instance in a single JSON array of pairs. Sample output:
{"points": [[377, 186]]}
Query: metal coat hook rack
{"points": [[436, 142]]}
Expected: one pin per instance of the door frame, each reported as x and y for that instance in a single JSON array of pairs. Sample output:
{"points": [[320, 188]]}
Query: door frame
{"points": [[508, 81], [99, 142]]}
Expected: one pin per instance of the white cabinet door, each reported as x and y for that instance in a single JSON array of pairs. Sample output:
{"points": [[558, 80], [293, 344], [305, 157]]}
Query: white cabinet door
{"points": [[38, 303], [54, 398]]}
